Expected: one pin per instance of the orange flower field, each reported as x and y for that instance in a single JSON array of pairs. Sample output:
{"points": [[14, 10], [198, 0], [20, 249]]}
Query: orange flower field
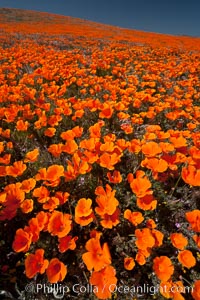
{"points": [[99, 161]]}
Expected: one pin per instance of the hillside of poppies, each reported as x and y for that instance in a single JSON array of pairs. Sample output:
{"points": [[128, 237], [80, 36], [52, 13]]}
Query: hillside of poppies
{"points": [[99, 161]]}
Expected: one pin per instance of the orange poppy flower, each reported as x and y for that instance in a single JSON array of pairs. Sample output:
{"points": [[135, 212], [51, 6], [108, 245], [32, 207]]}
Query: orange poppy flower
{"points": [[129, 263], [115, 177], [42, 218], [193, 217], [78, 131], [95, 130], [107, 147], [70, 147], [2, 197], [35, 263], [22, 241], [54, 172], [50, 132], [107, 160], [140, 186], [27, 206], [104, 281], [33, 229], [1, 147], [151, 149], [151, 223], [106, 111], [42, 193], [134, 146], [127, 128], [90, 144], [63, 197], [66, 243], [141, 256], [145, 239], [187, 259], [3, 171], [166, 147], [5, 159], [83, 212], [191, 175], [17, 169], [28, 185], [155, 164], [78, 166], [56, 149], [21, 125], [178, 240], [108, 221], [134, 217], [163, 268], [106, 200], [158, 236], [14, 197], [147, 202], [59, 224], [56, 271], [31, 156], [196, 238], [196, 290], [51, 203], [178, 142], [97, 257]]}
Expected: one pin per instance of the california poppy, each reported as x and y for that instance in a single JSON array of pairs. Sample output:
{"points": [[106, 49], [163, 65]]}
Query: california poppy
{"points": [[50, 132], [17, 169], [196, 238], [22, 125], [193, 217], [97, 256], [163, 267], [22, 241], [27, 205], [107, 160], [147, 202], [134, 217], [110, 220], [28, 185], [178, 240], [105, 282], [31, 156], [42, 193], [56, 271], [129, 263], [140, 186], [83, 212], [191, 175], [196, 290], [35, 263], [56, 149], [187, 259], [106, 200], [151, 149], [144, 238], [59, 224], [67, 242], [114, 177]]}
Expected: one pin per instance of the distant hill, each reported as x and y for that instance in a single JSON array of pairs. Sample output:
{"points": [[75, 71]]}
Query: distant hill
{"points": [[34, 22]]}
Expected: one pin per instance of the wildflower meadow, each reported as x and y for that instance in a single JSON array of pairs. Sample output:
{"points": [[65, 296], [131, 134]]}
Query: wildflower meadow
{"points": [[99, 161]]}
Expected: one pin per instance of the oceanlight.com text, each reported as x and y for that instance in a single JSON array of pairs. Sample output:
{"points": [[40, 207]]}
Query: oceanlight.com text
{"points": [[61, 289]]}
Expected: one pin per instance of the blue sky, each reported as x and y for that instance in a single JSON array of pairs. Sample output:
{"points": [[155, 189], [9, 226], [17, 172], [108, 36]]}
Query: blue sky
{"points": [[168, 16]]}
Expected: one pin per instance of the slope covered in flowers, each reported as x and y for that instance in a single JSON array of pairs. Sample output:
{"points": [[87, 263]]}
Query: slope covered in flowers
{"points": [[99, 160]]}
